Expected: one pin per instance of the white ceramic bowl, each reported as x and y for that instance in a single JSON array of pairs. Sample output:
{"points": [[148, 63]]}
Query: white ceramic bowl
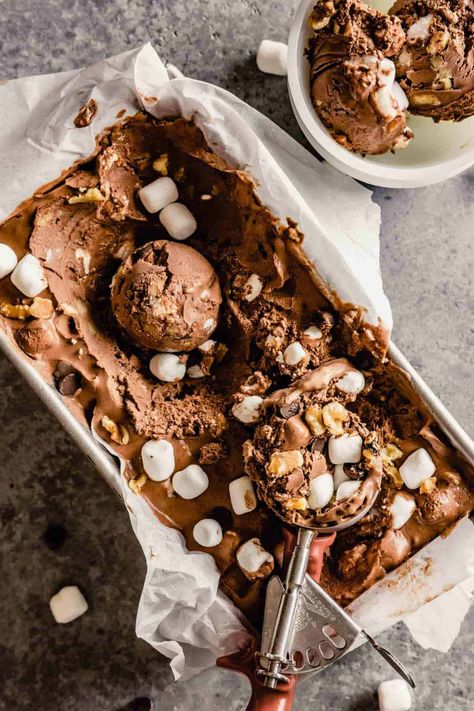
{"points": [[436, 153]]}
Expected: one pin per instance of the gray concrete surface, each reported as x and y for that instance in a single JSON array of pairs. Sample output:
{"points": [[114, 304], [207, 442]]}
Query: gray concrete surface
{"points": [[97, 664]]}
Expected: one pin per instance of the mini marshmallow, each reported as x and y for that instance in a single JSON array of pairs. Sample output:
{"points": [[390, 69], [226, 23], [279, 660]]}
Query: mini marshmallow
{"points": [[254, 284], [68, 604], [158, 194], [28, 276], [352, 382], [191, 482], [399, 95], [384, 102], [416, 468], [242, 495], [401, 509], [346, 449], [207, 346], [207, 532], [178, 221], [8, 260], [158, 459], [272, 58], [294, 353], [254, 560], [248, 409], [313, 333], [394, 695], [420, 29], [195, 371], [346, 489], [321, 489], [167, 367], [339, 475]]}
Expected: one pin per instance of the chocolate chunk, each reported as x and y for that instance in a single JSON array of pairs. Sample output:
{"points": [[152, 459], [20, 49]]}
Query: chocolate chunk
{"points": [[318, 444], [70, 384], [86, 114], [289, 410]]}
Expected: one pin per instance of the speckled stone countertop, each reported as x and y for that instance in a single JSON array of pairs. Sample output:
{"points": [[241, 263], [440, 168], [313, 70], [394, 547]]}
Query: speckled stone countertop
{"points": [[59, 521]]}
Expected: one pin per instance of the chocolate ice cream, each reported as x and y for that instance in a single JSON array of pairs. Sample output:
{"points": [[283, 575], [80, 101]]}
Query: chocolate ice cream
{"points": [[166, 297], [435, 66], [281, 353], [352, 76]]}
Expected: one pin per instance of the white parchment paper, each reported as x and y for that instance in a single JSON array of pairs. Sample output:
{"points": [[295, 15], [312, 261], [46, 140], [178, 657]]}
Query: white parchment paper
{"points": [[182, 613]]}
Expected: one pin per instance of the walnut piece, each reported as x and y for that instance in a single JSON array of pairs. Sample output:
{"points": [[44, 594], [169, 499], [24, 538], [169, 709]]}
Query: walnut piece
{"points": [[334, 415], [160, 164], [314, 420], [91, 195], [282, 463], [137, 484], [118, 433]]}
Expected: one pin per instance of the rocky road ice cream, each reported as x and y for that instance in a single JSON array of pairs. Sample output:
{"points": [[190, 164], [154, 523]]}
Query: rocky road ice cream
{"points": [[435, 66], [198, 345]]}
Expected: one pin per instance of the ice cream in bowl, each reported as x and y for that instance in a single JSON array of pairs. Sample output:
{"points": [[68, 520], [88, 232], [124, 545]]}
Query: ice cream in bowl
{"points": [[385, 91]]}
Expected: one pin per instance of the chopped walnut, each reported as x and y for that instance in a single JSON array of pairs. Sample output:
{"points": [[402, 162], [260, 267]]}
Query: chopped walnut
{"points": [[18, 311], [296, 504], [118, 433], [428, 485], [137, 484], [314, 420], [41, 308], [282, 463], [438, 42], [334, 415], [160, 164], [91, 195]]}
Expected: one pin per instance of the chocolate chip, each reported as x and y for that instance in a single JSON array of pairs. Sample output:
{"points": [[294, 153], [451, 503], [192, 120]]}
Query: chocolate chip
{"points": [[70, 384], [289, 410], [318, 444], [222, 516], [63, 368], [54, 536]]}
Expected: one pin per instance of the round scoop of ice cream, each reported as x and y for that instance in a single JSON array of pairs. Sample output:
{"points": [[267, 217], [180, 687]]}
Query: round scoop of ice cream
{"points": [[312, 460], [352, 77], [166, 297], [436, 64]]}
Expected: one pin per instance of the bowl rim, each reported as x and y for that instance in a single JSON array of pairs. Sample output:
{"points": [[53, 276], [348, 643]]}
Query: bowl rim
{"points": [[348, 162]]}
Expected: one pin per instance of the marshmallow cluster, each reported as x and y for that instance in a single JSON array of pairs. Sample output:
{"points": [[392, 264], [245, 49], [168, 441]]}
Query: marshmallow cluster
{"points": [[253, 560], [158, 459], [272, 58], [416, 468], [8, 260], [346, 449], [394, 695], [401, 508], [242, 495], [248, 409], [207, 532], [167, 367], [191, 482], [161, 196], [321, 490], [68, 604], [28, 276]]}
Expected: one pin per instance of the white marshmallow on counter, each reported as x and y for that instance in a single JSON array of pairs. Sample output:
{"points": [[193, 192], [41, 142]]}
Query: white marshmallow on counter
{"points": [[158, 459], [68, 604], [272, 58], [339, 475], [313, 333], [253, 560], [178, 221], [242, 495], [294, 353], [28, 276], [167, 367], [346, 449], [346, 489], [394, 695], [8, 260], [321, 489], [401, 508], [248, 409], [416, 468], [191, 482], [352, 382], [255, 285], [207, 532], [158, 194], [195, 371]]}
